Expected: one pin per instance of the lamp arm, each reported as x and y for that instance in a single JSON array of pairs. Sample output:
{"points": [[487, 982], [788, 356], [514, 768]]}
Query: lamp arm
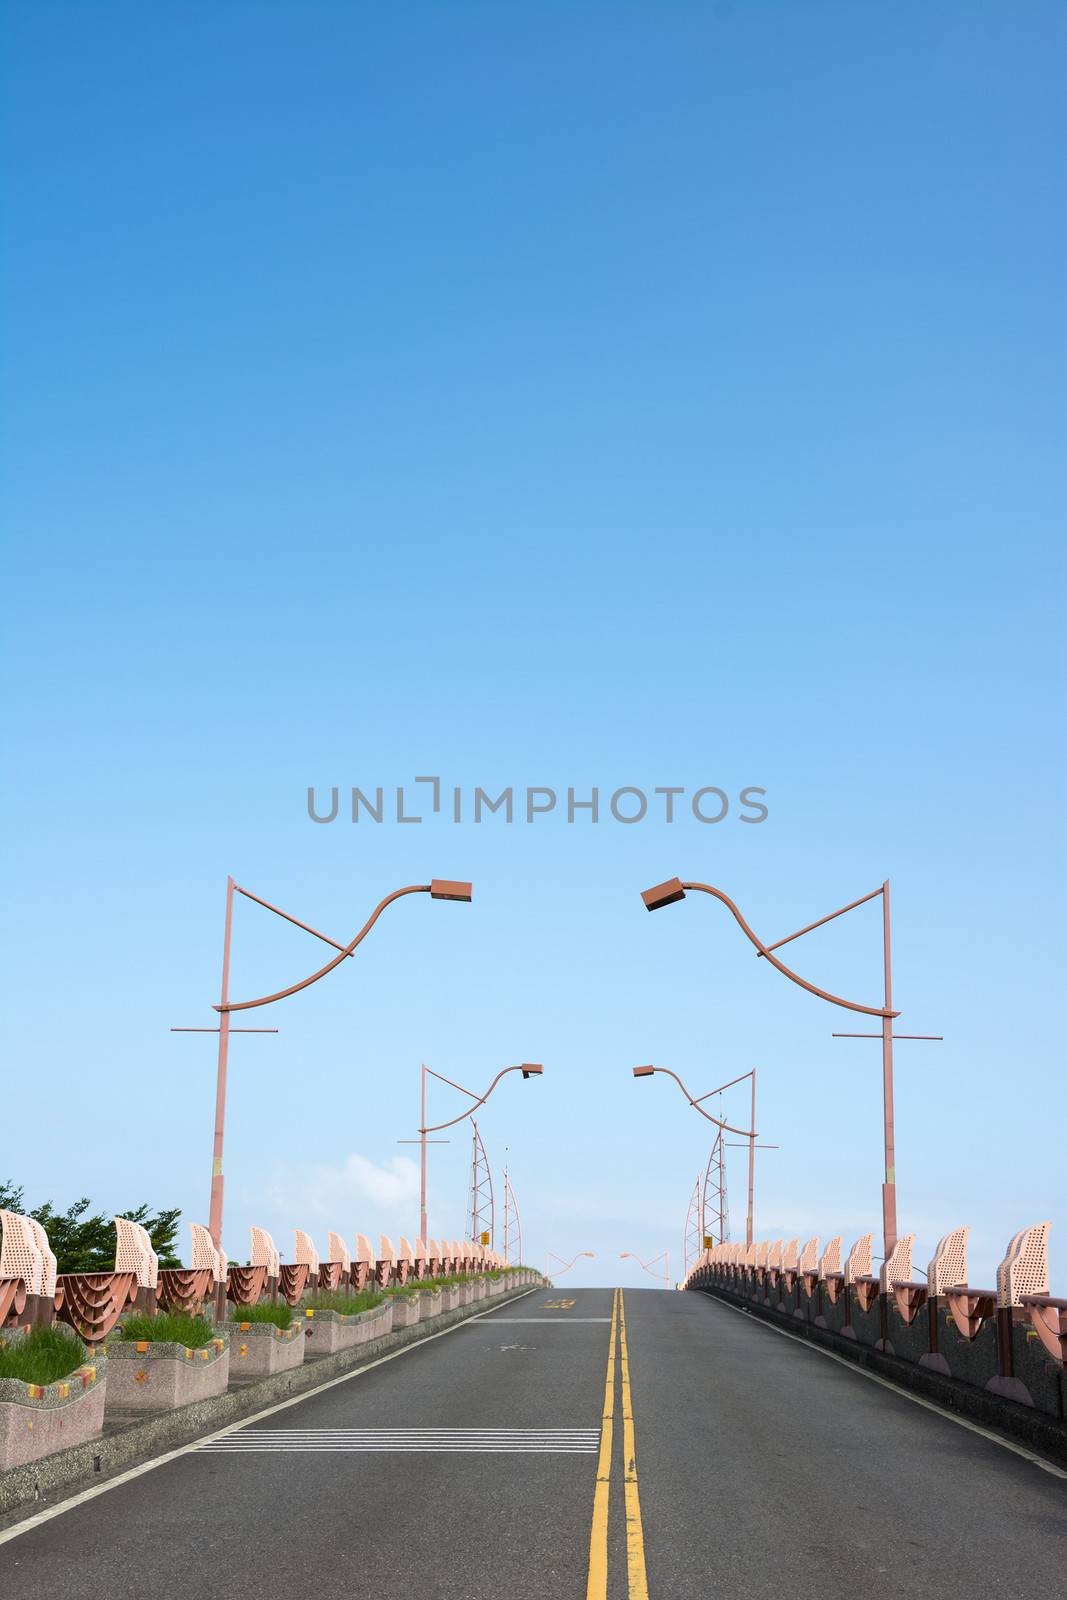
{"points": [[727, 1127], [283, 994], [465, 1114], [794, 977]]}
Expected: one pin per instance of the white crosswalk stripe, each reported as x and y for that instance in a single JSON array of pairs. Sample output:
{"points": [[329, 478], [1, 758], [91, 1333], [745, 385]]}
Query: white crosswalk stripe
{"points": [[432, 1441]]}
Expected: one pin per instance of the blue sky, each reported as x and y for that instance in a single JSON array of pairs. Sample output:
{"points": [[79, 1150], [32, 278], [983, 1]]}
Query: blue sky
{"points": [[559, 394]]}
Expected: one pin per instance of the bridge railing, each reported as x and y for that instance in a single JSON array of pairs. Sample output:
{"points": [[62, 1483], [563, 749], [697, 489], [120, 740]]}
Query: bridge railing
{"points": [[1009, 1341], [32, 1293]]}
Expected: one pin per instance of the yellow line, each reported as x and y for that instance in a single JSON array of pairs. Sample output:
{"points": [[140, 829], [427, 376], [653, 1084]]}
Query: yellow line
{"points": [[635, 1538], [597, 1585]]}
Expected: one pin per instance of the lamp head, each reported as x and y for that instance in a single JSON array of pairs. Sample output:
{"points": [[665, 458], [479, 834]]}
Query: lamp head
{"points": [[532, 1069], [664, 894], [446, 889], [643, 1072]]}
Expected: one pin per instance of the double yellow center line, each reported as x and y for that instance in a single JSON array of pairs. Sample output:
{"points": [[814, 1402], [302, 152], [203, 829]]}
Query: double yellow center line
{"points": [[597, 1585]]}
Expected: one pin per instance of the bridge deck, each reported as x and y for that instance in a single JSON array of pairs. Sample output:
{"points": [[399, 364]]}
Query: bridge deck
{"points": [[465, 1470]]}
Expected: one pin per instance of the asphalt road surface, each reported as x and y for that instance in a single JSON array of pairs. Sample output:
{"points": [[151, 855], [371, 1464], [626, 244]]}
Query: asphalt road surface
{"points": [[580, 1444]]}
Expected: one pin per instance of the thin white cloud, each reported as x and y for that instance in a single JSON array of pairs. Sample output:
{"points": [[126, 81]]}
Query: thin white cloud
{"points": [[357, 1196]]}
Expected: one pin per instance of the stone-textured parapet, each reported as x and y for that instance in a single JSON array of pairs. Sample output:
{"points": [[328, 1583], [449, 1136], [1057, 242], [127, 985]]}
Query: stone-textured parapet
{"points": [[38, 1419], [430, 1304], [406, 1309], [326, 1332], [258, 1349], [151, 1375]]}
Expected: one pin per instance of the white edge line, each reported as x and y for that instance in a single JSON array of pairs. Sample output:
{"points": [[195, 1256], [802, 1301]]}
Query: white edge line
{"points": [[131, 1473], [905, 1394]]}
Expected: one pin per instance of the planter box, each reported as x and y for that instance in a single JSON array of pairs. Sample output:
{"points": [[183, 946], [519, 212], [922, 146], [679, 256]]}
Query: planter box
{"points": [[465, 1292], [452, 1299], [150, 1375], [405, 1310], [326, 1332], [258, 1349], [431, 1305], [38, 1419]]}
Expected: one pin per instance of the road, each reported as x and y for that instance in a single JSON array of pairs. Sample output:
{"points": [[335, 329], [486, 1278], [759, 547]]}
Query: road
{"points": [[473, 1466]]}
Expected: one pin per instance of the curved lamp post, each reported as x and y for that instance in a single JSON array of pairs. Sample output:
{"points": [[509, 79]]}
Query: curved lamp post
{"points": [[665, 894], [649, 1265], [529, 1069], [748, 1134], [567, 1265], [438, 889]]}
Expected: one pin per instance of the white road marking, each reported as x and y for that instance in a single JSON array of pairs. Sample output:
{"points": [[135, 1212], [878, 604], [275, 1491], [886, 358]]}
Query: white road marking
{"points": [[552, 1322], [131, 1473], [905, 1394], [425, 1441]]}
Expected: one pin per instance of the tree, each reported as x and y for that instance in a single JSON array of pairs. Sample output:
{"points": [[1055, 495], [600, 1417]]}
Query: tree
{"points": [[84, 1243]]}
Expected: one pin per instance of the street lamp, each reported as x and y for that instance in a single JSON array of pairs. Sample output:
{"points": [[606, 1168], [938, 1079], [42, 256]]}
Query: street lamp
{"points": [[748, 1134], [438, 889], [665, 894], [567, 1265], [529, 1069], [728, 1127], [648, 1265]]}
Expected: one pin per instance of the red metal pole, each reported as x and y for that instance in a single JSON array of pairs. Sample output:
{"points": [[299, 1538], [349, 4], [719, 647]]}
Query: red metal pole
{"points": [[215, 1211], [889, 1187], [422, 1141], [751, 1162]]}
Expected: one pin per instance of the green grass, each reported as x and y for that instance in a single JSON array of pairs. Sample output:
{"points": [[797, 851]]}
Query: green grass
{"points": [[169, 1327], [44, 1356], [349, 1305], [281, 1315]]}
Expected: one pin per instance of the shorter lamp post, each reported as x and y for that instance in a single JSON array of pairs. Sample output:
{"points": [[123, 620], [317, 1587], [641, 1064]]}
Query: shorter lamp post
{"points": [[567, 1265], [649, 1265], [748, 1134], [529, 1069]]}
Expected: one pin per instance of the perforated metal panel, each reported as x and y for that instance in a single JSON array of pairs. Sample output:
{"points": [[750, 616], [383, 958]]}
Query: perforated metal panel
{"points": [[364, 1249], [20, 1254], [386, 1251], [774, 1258], [789, 1260], [1002, 1270], [762, 1253], [897, 1266], [809, 1256], [305, 1253], [831, 1257], [858, 1264], [153, 1259], [948, 1267], [204, 1252], [265, 1252], [1024, 1269], [134, 1253], [339, 1251], [48, 1260]]}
